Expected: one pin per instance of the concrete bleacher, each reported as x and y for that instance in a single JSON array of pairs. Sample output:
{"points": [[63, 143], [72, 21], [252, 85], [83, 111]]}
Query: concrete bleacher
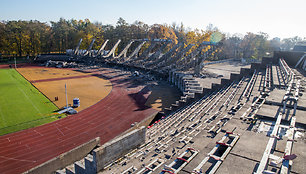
{"points": [[200, 123], [194, 88], [176, 121]]}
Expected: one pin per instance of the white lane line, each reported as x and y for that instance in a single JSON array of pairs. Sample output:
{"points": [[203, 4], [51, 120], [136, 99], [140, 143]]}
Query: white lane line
{"points": [[38, 132], [59, 130], [8, 158]]}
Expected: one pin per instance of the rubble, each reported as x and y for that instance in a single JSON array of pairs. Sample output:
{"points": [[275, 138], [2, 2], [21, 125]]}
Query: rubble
{"points": [[61, 64]]}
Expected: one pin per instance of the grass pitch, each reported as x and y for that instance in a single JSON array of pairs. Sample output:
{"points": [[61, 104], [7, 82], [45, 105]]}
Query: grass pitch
{"points": [[21, 105]]}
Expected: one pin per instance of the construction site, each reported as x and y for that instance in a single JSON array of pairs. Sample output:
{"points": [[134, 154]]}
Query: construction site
{"points": [[167, 112]]}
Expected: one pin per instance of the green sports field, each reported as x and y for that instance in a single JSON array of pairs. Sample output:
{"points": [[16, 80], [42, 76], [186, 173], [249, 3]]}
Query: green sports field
{"points": [[21, 105]]}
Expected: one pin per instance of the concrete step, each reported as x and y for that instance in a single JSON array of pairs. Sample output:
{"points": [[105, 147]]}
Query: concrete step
{"points": [[183, 97], [193, 88], [197, 91], [90, 165], [188, 79], [183, 101], [192, 91], [162, 112], [191, 81], [63, 171], [191, 95], [192, 84], [176, 104], [79, 167], [186, 93], [168, 109], [70, 169]]}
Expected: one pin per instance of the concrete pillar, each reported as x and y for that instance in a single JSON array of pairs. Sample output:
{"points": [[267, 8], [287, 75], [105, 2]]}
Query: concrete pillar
{"points": [[183, 85], [177, 80], [295, 106], [284, 106], [173, 77]]}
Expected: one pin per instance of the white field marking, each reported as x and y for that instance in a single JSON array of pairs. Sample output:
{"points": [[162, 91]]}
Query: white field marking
{"points": [[27, 97], [30, 100], [2, 117]]}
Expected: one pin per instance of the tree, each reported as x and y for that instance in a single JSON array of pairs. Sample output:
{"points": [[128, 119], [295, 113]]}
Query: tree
{"points": [[34, 37], [122, 22], [275, 44], [158, 31], [4, 42], [231, 47], [254, 45], [61, 30], [288, 43]]}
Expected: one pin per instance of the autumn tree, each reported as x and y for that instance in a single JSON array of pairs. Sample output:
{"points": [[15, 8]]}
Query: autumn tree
{"points": [[158, 31], [60, 32], [15, 33], [34, 37], [254, 45], [4, 44]]}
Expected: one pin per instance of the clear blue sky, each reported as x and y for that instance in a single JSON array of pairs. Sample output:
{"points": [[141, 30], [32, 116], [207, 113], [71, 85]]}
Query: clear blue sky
{"points": [[282, 18]]}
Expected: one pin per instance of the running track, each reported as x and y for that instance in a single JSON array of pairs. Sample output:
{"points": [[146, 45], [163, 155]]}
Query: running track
{"points": [[106, 119]]}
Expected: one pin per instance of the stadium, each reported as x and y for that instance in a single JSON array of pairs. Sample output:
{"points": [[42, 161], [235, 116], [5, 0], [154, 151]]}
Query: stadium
{"points": [[155, 112]]}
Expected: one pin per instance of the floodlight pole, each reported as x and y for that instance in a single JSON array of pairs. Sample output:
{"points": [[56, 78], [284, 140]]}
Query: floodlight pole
{"points": [[15, 62], [66, 95]]}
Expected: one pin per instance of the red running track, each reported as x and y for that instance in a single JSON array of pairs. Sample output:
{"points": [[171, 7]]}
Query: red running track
{"points": [[19, 65], [106, 119]]}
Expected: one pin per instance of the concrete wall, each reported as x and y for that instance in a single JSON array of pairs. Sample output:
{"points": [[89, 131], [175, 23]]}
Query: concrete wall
{"points": [[118, 147], [257, 66], [245, 71], [266, 60], [291, 57], [65, 159], [235, 76]]}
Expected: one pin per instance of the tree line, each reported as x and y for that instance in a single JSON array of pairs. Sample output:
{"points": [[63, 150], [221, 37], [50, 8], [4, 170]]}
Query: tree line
{"points": [[22, 38]]}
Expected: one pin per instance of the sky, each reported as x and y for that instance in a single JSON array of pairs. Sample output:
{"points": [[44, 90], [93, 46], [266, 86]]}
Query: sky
{"points": [[277, 18]]}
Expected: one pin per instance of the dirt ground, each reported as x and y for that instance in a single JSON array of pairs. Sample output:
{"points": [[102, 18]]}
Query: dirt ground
{"points": [[39, 73], [162, 96], [51, 82]]}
